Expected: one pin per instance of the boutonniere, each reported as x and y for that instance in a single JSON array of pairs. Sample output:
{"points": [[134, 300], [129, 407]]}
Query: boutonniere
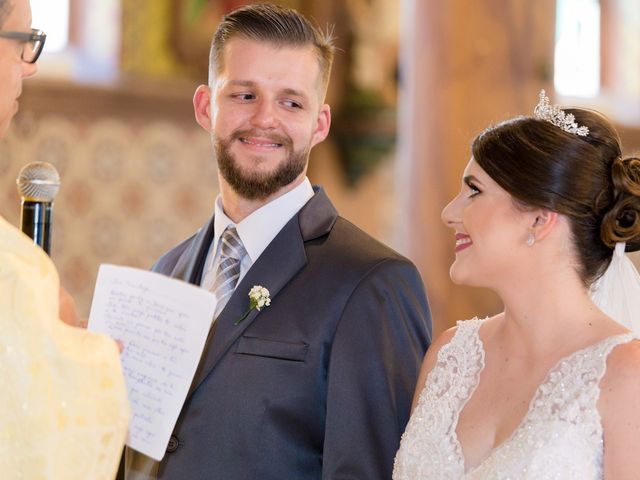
{"points": [[258, 299]]}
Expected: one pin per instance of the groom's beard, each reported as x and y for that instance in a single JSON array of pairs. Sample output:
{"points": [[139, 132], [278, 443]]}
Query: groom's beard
{"points": [[254, 185]]}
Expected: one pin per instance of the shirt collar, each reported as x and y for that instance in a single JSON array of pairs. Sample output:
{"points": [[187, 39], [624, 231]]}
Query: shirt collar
{"points": [[258, 230]]}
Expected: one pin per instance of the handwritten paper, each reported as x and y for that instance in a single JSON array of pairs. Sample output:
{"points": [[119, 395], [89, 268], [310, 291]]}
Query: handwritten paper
{"points": [[163, 324]]}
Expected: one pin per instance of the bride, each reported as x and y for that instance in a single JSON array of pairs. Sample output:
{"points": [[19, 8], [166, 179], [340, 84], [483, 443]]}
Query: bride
{"points": [[550, 387]]}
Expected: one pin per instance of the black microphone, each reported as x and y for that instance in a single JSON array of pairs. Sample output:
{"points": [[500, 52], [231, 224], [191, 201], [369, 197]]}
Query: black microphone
{"points": [[38, 184]]}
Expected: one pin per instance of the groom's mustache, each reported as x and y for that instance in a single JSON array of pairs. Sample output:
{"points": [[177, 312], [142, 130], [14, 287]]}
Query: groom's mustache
{"points": [[283, 140]]}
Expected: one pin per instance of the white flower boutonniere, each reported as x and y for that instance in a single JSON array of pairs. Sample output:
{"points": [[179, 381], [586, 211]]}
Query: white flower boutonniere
{"points": [[258, 299]]}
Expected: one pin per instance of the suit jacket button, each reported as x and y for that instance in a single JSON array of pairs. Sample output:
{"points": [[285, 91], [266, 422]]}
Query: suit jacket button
{"points": [[172, 446]]}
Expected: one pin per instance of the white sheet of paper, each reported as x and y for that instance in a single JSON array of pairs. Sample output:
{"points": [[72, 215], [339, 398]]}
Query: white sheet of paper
{"points": [[163, 324]]}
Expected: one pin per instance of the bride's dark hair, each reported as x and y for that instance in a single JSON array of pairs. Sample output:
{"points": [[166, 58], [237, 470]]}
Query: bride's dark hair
{"points": [[584, 178]]}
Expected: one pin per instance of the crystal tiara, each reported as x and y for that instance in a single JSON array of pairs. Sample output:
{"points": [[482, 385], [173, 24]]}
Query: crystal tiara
{"points": [[555, 115]]}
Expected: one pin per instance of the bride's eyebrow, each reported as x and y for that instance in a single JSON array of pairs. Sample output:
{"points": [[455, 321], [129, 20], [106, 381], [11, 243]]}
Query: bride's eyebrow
{"points": [[471, 179]]}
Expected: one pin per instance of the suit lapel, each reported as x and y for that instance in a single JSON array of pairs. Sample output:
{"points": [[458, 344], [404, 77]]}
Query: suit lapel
{"points": [[191, 263], [279, 263]]}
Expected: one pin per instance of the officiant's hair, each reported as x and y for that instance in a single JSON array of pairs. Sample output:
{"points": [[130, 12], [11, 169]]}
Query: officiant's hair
{"points": [[5, 9], [584, 178], [275, 25]]}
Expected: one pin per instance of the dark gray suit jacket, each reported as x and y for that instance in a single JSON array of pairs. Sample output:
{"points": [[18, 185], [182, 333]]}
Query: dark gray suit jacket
{"points": [[319, 384]]}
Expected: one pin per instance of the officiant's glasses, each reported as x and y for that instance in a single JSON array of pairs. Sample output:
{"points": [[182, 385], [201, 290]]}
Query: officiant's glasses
{"points": [[33, 43]]}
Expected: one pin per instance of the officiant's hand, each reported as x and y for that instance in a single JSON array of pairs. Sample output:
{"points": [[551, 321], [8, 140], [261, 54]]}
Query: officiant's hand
{"points": [[68, 312]]}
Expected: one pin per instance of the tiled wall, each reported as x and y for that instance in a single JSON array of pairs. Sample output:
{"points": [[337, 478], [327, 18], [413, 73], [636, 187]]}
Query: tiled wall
{"points": [[129, 189]]}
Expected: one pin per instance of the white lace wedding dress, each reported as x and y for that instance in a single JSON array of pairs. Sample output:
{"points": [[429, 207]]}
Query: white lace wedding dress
{"points": [[560, 437]]}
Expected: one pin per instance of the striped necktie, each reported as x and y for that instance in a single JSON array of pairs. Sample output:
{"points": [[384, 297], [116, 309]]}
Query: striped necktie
{"points": [[227, 267], [227, 273]]}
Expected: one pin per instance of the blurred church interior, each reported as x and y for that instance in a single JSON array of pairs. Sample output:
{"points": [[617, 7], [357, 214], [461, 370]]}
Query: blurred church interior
{"points": [[414, 81]]}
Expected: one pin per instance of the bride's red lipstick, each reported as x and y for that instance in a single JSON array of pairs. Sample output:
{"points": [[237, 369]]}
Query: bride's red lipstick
{"points": [[462, 241]]}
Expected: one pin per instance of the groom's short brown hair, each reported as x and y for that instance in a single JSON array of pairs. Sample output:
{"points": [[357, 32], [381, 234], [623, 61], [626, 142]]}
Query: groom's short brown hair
{"points": [[279, 26]]}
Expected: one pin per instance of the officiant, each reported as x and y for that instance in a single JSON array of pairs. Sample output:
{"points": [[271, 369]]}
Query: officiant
{"points": [[64, 411]]}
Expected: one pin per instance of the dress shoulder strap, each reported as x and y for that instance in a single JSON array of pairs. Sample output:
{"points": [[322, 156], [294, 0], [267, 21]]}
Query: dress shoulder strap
{"points": [[468, 328], [448, 387], [459, 363], [572, 387], [602, 350]]}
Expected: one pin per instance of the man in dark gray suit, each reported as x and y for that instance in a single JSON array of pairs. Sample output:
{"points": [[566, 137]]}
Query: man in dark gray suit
{"points": [[318, 383]]}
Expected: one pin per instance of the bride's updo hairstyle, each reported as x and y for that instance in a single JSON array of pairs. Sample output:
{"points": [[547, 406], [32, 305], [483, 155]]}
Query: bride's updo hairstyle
{"points": [[584, 178]]}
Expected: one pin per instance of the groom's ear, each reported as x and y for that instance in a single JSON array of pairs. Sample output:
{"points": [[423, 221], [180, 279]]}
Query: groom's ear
{"points": [[543, 223], [202, 107]]}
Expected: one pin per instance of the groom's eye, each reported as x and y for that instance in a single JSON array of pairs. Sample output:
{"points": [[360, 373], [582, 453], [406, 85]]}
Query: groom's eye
{"points": [[243, 96]]}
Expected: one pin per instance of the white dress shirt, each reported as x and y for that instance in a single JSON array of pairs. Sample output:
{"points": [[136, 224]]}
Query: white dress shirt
{"points": [[257, 230]]}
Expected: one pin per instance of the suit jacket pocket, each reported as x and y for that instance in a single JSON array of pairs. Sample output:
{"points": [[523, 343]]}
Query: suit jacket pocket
{"points": [[272, 348]]}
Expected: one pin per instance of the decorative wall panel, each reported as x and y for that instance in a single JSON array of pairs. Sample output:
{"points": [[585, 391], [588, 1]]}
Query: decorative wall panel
{"points": [[129, 189]]}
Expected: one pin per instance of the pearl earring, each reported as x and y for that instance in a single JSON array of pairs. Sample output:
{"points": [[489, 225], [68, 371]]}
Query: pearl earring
{"points": [[531, 239]]}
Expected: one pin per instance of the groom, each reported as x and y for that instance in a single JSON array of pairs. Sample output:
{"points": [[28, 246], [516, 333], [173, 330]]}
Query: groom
{"points": [[317, 384]]}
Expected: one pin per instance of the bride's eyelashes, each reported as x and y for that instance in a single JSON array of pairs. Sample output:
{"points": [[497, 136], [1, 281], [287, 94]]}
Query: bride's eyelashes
{"points": [[472, 186]]}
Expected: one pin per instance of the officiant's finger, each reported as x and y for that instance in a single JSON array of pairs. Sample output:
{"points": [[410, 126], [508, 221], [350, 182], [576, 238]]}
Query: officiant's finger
{"points": [[67, 309], [120, 345]]}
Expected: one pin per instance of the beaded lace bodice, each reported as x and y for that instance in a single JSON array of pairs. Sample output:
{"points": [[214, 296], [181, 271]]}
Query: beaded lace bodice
{"points": [[560, 436]]}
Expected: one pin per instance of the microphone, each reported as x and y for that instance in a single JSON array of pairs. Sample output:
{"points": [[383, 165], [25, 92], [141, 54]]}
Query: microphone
{"points": [[38, 184]]}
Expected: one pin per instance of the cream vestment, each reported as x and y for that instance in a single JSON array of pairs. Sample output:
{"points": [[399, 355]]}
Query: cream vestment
{"points": [[63, 408]]}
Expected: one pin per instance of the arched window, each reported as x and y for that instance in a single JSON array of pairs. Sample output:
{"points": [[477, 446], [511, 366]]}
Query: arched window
{"points": [[53, 18], [83, 38], [577, 50]]}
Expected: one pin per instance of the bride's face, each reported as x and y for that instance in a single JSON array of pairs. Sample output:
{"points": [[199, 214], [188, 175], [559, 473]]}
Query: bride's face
{"points": [[490, 231]]}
